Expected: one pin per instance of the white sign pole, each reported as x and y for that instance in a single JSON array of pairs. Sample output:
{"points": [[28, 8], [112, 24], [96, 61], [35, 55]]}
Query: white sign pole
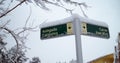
{"points": [[77, 31]]}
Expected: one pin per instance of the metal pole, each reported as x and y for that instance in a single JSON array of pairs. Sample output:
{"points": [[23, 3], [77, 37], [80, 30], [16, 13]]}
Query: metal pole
{"points": [[77, 31]]}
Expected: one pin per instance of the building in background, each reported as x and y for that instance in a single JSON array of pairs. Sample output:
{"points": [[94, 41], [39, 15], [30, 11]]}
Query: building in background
{"points": [[104, 59], [119, 46], [117, 50]]}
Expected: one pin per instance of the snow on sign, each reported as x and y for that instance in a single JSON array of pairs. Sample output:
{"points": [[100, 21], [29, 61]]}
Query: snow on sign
{"points": [[65, 27], [95, 30], [56, 30]]}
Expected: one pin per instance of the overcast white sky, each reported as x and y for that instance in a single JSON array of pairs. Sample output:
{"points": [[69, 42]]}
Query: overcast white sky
{"points": [[63, 48]]}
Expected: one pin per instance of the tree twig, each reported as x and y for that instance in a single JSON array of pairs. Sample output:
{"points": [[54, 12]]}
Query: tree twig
{"points": [[28, 17], [59, 6], [83, 12]]}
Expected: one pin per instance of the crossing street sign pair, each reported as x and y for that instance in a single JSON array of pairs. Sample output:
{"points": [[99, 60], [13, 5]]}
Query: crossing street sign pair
{"points": [[75, 25], [65, 29]]}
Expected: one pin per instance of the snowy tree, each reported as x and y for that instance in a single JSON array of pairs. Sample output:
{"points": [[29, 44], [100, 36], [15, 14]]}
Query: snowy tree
{"points": [[2, 53], [9, 56], [21, 58], [16, 53], [35, 60]]}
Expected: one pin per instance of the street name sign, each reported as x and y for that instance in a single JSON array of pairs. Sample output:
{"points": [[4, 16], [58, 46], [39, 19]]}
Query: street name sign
{"points": [[95, 30], [57, 30]]}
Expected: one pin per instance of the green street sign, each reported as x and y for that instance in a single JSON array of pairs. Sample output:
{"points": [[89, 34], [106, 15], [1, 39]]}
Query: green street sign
{"points": [[95, 30], [56, 30]]}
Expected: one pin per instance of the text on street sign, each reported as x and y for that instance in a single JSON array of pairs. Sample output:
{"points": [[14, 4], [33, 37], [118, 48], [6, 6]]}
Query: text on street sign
{"points": [[95, 30], [57, 30]]}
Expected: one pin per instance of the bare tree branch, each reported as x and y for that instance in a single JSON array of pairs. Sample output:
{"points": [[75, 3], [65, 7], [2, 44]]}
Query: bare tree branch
{"points": [[83, 12], [25, 29], [28, 17], [1, 2], [42, 3], [5, 24], [56, 4], [12, 9]]}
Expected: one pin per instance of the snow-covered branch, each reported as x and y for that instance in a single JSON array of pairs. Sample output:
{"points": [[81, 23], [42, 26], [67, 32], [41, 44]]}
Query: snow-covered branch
{"points": [[18, 37], [42, 4], [2, 15]]}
